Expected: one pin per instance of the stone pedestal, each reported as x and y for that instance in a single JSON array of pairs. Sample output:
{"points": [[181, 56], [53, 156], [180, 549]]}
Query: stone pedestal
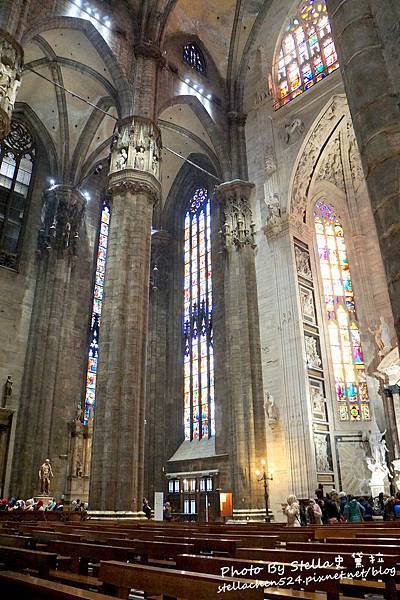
{"points": [[6, 415], [118, 459], [11, 57], [242, 339]]}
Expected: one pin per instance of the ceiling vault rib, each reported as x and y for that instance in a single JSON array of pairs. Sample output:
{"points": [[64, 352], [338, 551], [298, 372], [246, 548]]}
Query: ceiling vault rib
{"points": [[61, 100]]}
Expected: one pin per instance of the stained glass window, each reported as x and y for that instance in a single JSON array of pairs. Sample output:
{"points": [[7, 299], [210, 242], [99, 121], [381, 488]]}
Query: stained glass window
{"points": [[97, 304], [193, 56], [344, 334], [198, 359], [307, 52], [17, 155]]}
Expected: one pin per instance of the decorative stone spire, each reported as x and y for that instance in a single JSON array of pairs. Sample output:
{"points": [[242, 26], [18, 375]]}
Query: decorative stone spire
{"points": [[11, 57]]}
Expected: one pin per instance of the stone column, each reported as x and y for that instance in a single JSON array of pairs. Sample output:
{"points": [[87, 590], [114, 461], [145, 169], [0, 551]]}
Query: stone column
{"points": [[246, 419], [11, 58], [53, 379], [237, 137], [374, 104], [118, 459], [156, 423]]}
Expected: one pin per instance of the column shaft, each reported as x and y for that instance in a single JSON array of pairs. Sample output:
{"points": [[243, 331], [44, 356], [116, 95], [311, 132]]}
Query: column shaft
{"points": [[374, 106]]}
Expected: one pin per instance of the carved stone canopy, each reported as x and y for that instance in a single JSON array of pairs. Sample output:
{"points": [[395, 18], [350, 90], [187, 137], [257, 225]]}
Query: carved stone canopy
{"points": [[11, 59], [63, 213], [238, 227], [136, 151]]}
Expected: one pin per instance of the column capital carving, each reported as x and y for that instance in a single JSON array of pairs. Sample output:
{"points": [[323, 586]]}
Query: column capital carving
{"points": [[237, 117], [129, 181], [64, 209], [149, 50], [238, 227], [136, 154], [11, 59]]}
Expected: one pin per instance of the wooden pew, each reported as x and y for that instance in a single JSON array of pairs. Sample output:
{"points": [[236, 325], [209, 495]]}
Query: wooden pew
{"points": [[342, 547], [18, 585], [250, 541], [82, 553], [371, 585], [157, 550], [16, 541], [171, 582], [20, 559], [258, 570]]}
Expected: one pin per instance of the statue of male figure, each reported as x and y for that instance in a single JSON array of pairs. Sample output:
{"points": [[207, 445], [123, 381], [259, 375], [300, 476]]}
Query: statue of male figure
{"points": [[45, 474]]}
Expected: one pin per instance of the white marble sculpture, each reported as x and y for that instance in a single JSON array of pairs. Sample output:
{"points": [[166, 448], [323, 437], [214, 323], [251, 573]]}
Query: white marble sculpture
{"points": [[313, 358]]}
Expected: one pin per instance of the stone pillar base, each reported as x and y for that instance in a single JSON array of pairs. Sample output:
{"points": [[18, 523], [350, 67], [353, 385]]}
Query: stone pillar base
{"points": [[250, 515], [105, 515]]}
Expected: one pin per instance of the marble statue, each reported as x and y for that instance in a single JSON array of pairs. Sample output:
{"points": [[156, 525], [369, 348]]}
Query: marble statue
{"points": [[121, 159], [274, 209], [379, 473], [8, 389], [45, 475], [313, 359], [377, 446], [79, 413], [270, 409], [139, 158]]}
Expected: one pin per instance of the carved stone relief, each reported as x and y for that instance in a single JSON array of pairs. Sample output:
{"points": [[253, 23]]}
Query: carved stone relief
{"points": [[293, 131], [305, 168], [322, 453], [356, 169], [307, 304], [303, 262], [312, 352], [318, 401], [332, 167]]}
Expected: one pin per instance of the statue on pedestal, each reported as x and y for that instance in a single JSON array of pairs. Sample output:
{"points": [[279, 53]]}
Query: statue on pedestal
{"points": [[8, 390], [45, 475], [379, 473]]}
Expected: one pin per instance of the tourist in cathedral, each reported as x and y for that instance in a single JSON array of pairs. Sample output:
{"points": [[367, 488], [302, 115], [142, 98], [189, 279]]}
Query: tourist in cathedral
{"points": [[314, 513], [367, 508], [342, 501], [331, 511], [292, 511], [353, 511], [146, 508], [167, 511], [396, 506]]}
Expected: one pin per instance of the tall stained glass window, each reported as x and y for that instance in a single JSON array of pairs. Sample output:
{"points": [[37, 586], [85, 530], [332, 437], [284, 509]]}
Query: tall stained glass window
{"points": [[193, 56], [198, 356], [17, 155], [344, 334], [307, 53], [97, 305]]}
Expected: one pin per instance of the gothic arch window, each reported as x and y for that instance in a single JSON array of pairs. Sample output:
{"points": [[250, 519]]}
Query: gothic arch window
{"points": [[97, 305], [193, 56], [307, 52], [17, 156], [340, 309], [198, 353]]}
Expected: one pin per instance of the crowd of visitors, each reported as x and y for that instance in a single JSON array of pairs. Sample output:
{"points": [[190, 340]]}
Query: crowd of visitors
{"points": [[334, 508], [12, 504]]}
